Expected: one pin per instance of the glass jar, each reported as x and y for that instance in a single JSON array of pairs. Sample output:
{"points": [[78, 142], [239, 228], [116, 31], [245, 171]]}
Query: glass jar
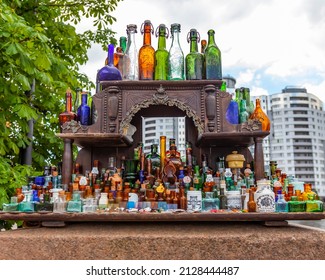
{"points": [[264, 197], [233, 200]]}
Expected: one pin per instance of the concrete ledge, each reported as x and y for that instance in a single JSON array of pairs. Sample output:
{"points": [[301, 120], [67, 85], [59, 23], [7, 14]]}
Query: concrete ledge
{"points": [[167, 241]]}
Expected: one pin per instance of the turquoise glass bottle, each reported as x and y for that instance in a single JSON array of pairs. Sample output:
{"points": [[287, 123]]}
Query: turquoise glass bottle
{"points": [[212, 56], [75, 205], [281, 205], [175, 55], [194, 60], [161, 54]]}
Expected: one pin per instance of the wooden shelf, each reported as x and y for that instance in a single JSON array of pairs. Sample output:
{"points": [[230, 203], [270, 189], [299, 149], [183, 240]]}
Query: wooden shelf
{"points": [[161, 217]]}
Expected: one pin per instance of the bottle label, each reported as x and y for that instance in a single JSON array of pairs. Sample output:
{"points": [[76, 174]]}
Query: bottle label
{"points": [[265, 203]]}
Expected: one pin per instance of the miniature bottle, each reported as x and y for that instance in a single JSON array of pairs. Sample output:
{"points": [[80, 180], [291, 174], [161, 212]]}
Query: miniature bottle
{"points": [[212, 59], [109, 72], [194, 60], [161, 54], [175, 55], [45, 205], [75, 205], [12, 206], [203, 45], [67, 115], [296, 206], [60, 204], [251, 204], [103, 201], [259, 115], [281, 204], [27, 205], [307, 191], [83, 112], [264, 197], [146, 53], [131, 71]]}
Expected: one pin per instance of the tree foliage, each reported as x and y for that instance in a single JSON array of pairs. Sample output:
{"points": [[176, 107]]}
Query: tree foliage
{"points": [[39, 43]]}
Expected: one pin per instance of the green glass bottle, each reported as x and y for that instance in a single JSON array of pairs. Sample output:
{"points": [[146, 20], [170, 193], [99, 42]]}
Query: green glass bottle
{"points": [[243, 114], [197, 179], [194, 60], [212, 56], [155, 158], [161, 54], [123, 43], [296, 206], [176, 56]]}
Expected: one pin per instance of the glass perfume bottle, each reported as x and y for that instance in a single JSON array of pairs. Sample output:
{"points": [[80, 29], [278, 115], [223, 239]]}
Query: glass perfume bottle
{"points": [[194, 60], [109, 72], [161, 54], [212, 59], [175, 55], [131, 71], [146, 53]]}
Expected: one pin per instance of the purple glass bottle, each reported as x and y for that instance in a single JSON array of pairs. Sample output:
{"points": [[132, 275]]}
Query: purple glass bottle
{"points": [[109, 72]]}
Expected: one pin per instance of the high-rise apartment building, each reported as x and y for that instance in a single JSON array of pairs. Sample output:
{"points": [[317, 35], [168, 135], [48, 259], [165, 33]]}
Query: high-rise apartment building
{"points": [[297, 138]]}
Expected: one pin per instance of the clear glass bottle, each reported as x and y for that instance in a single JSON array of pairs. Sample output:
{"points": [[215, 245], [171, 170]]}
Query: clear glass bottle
{"points": [[60, 204], [12, 206], [212, 59], [264, 197], [103, 201], [146, 53], [108, 72], [281, 204], [131, 71], [175, 55], [194, 60], [83, 111], [258, 114], [161, 54], [209, 202], [67, 115]]}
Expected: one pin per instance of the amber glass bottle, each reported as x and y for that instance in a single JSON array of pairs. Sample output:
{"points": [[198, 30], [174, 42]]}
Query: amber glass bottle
{"points": [[67, 115], [258, 114], [251, 204], [146, 53]]}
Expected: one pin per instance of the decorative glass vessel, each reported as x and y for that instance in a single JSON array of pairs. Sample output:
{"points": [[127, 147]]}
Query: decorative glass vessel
{"points": [[109, 72], [209, 202], [259, 115], [194, 60], [264, 197], [162, 152], [232, 113], [281, 204], [296, 206], [90, 205], [84, 110], [197, 179], [161, 54], [212, 59], [146, 53], [176, 69], [67, 115], [131, 71]]}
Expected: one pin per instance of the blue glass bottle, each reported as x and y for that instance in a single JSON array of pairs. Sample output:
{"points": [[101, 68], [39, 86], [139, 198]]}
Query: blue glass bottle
{"points": [[109, 72], [281, 204], [232, 113], [83, 111]]}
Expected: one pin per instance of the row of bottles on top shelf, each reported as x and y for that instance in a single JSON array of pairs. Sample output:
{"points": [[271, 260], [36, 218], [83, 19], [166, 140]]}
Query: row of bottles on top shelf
{"points": [[149, 64], [240, 109], [162, 182]]}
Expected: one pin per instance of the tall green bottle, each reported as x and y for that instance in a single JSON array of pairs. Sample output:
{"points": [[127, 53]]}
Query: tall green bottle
{"points": [[123, 43], [161, 54], [194, 60], [212, 56], [176, 55]]}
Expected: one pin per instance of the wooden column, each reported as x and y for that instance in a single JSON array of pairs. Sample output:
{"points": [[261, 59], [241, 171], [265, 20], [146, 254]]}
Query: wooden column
{"points": [[258, 158], [67, 161]]}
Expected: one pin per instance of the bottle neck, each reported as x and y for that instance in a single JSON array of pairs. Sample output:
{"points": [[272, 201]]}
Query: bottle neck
{"points": [[162, 42], [131, 39], [211, 41], [147, 35], [110, 55], [84, 97], [175, 37], [193, 47], [68, 102], [123, 44]]}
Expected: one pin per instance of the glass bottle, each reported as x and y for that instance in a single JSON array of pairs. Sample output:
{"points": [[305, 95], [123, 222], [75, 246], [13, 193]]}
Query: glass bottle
{"points": [[232, 113], [307, 191], [162, 152], [197, 179], [174, 155], [203, 45], [212, 56], [264, 197], [222, 196], [75, 205], [247, 97], [243, 114], [103, 201], [109, 72], [119, 60], [251, 204], [123, 43], [131, 71], [146, 53], [175, 55], [194, 60], [209, 202], [83, 112], [296, 206], [154, 157], [12, 206], [60, 204], [67, 115], [313, 205], [259, 115], [161, 54], [281, 204]]}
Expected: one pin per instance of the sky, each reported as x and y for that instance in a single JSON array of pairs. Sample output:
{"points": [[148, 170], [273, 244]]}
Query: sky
{"points": [[265, 45]]}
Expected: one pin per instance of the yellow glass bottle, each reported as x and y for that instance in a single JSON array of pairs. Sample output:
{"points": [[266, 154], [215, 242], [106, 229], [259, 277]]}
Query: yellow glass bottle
{"points": [[162, 152]]}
